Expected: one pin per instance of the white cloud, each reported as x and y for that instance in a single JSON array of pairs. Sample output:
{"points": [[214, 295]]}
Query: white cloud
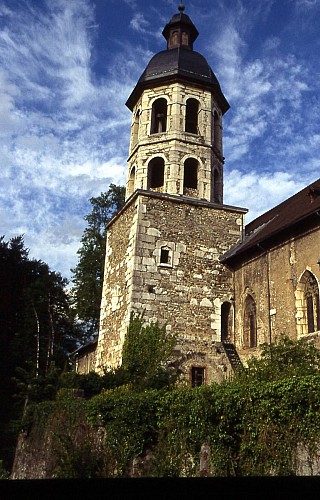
{"points": [[139, 23], [259, 192], [307, 4], [64, 130], [268, 100], [59, 127]]}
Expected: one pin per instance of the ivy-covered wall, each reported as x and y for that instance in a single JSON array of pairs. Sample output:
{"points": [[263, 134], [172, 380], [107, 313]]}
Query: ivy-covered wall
{"points": [[245, 428]]}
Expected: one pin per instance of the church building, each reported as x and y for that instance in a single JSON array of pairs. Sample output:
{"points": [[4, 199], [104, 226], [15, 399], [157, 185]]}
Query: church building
{"points": [[181, 256]]}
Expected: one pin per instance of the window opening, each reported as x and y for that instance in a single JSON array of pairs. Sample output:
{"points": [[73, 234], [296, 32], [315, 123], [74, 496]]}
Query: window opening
{"points": [[216, 130], [184, 38], [156, 173], [136, 124], [216, 186], [250, 323], [192, 110], [131, 181], [310, 305], [164, 256], [159, 116], [190, 175], [174, 39], [197, 376], [225, 321]]}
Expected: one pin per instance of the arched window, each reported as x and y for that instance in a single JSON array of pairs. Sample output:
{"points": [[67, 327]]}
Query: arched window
{"points": [[174, 39], [190, 176], [216, 186], [156, 173], [159, 116], [192, 110], [250, 323], [226, 326], [135, 128], [307, 304], [184, 38], [216, 130], [131, 181]]}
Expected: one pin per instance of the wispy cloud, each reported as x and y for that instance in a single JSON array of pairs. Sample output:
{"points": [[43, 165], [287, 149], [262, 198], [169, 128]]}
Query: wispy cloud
{"points": [[262, 191], [64, 129], [59, 126], [307, 4], [139, 23], [269, 130]]}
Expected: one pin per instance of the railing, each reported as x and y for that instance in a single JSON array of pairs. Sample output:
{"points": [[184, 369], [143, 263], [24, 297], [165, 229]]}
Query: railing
{"points": [[233, 356]]}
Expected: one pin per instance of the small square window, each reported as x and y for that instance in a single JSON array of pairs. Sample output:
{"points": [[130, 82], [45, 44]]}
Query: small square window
{"points": [[164, 256], [197, 376]]}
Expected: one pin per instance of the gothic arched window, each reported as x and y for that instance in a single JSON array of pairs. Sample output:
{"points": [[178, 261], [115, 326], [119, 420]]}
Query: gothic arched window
{"points": [[159, 116], [156, 173], [250, 323], [192, 110], [307, 304]]}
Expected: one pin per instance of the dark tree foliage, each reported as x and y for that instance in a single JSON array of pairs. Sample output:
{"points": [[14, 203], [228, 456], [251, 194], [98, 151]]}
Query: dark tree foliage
{"points": [[88, 274], [37, 327]]}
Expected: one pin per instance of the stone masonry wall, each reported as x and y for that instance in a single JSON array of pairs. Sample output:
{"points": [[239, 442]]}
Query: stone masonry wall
{"points": [[186, 292], [287, 263], [117, 288], [175, 145]]}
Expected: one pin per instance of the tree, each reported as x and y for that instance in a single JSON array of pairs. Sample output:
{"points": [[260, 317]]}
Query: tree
{"points": [[147, 352], [37, 326], [88, 274]]}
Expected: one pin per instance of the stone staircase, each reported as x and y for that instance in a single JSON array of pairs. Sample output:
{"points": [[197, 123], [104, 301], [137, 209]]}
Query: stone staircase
{"points": [[232, 356]]}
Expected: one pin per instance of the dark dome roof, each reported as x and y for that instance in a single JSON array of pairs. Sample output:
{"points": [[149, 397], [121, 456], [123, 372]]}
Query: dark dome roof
{"points": [[178, 64], [181, 62]]}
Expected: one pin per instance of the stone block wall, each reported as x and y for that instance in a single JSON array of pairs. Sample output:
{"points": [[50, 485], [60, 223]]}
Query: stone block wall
{"points": [[286, 262], [175, 145], [117, 288], [186, 290]]}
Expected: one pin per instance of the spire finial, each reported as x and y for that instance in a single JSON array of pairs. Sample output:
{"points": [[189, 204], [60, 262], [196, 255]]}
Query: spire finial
{"points": [[181, 7]]}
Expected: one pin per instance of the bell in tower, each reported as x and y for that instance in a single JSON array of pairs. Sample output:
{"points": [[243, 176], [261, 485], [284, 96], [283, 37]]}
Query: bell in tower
{"points": [[177, 108]]}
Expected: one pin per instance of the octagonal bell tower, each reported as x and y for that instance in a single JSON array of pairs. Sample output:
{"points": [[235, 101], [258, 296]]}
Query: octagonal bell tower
{"points": [[176, 132]]}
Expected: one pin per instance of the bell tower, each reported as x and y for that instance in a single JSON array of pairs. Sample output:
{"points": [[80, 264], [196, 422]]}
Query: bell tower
{"points": [[176, 132], [163, 247]]}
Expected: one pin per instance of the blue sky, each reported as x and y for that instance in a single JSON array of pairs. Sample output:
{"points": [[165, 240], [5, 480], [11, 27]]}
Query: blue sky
{"points": [[68, 66]]}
